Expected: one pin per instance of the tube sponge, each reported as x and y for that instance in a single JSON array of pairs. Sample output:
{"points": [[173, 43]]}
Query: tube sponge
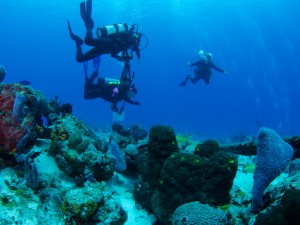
{"points": [[118, 155], [273, 155], [18, 106]]}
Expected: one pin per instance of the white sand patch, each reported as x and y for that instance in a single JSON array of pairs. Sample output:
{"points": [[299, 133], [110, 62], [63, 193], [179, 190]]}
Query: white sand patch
{"points": [[47, 167], [123, 186]]}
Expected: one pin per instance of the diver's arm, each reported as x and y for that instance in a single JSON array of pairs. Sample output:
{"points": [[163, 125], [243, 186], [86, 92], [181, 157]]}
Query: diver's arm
{"points": [[131, 101], [136, 49], [194, 63], [218, 69]]}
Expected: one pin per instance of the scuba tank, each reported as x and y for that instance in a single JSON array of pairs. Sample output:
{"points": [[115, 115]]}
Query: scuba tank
{"points": [[109, 30], [202, 54]]}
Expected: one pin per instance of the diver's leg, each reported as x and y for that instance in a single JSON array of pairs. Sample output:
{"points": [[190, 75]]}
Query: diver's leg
{"points": [[207, 80], [187, 78], [196, 78], [125, 76], [79, 54], [89, 39], [193, 80], [79, 42], [91, 54]]}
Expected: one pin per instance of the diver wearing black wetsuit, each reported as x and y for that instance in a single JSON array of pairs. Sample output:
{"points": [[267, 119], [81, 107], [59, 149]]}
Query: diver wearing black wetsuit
{"points": [[111, 90], [203, 70], [121, 40]]}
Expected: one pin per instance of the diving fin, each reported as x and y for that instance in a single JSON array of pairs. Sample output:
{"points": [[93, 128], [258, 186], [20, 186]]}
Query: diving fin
{"points": [[86, 14], [89, 9], [182, 84], [74, 37], [82, 11]]}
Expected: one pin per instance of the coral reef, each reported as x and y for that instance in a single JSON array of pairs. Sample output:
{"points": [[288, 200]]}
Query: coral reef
{"points": [[170, 179], [82, 203], [249, 148], [207, 148], [285, 213], [135, 132], [162, 144], [76, 154], [138, 133], [186, 177], [162, 141], [62, 172], [20, 106], [66, 108], [195, 213]]}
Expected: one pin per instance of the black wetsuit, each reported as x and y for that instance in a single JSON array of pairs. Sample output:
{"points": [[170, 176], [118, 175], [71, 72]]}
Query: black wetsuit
{"points": [[105, 90], [203, 71], [113, 44]]}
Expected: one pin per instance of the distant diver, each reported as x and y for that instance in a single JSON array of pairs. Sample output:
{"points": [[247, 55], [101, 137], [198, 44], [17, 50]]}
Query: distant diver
{"points": [[203, 69], [111, 39]]}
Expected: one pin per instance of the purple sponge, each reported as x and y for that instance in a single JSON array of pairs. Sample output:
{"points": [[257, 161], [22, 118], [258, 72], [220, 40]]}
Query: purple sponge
{"points": [[273, 155], [118, 156]]}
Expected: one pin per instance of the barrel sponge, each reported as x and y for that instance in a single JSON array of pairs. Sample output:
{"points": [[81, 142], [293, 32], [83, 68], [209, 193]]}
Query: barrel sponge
{"points": [[273, 155], [196, 213]]}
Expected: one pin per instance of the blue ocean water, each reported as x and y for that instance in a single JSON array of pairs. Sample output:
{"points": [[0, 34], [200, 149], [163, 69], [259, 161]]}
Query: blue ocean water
{"points": [[257, 42]]}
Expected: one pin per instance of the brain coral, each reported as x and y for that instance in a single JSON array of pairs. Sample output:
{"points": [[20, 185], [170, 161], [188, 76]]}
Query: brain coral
{"points": [[273, 155], [195, 213]]}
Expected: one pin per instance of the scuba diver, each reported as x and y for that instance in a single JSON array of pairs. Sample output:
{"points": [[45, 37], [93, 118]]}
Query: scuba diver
{"points": [[111, 90], [202, 70], [2, 73], [112, 39]]}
